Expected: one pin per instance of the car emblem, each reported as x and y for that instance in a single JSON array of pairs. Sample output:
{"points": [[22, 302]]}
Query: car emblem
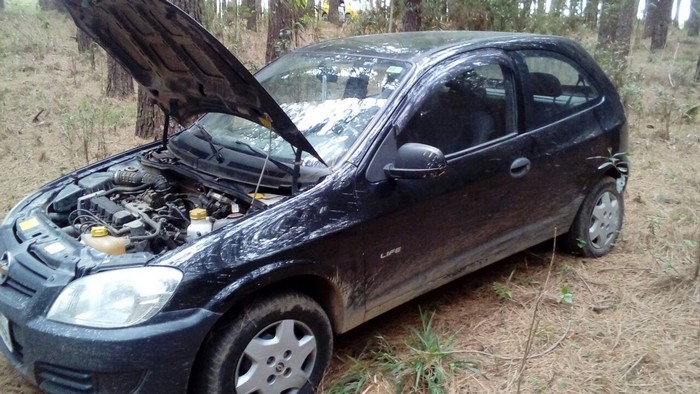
{"points": [[5, 267]]}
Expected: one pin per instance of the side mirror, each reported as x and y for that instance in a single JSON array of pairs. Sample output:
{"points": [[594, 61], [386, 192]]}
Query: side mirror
{"points": [[417, 161]]}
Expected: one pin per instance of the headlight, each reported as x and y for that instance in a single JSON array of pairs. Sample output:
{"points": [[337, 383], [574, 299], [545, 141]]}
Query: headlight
{"points": [[118, 298]]}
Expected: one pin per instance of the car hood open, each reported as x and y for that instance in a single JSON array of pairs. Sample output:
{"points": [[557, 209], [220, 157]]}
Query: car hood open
{"points": [[185, 69]]}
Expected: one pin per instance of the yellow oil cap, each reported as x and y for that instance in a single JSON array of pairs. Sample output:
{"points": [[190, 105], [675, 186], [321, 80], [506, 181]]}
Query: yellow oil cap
{"points": [[99, 231], [257, 196], [198, 214]]}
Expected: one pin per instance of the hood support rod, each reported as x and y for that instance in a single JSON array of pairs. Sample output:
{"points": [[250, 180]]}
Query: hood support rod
{"points": [[297, 170], [166, 126]]}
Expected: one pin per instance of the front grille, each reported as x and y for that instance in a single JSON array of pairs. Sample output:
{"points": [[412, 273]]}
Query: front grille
{"points": [[60, 380], [19, 288], [27, 274], [55, 379]]}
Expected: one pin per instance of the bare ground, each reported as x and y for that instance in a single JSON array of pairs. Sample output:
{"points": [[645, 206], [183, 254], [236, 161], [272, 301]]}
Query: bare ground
{"points": [[634, 321]]}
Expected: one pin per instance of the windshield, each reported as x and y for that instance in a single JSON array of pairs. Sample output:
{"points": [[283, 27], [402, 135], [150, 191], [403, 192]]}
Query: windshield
{"points": [[330, 98]]}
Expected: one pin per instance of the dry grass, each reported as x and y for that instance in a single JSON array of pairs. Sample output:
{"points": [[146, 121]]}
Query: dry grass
{"points": [[633, 326]]}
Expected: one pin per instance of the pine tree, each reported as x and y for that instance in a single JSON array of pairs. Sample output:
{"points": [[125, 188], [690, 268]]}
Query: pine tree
{"points": [[279, 29], [149, 118], [412, 17], [119, 81], [616, 25]]}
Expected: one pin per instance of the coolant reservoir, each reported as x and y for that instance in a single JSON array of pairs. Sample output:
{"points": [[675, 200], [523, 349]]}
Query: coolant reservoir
{"points": [[99, 238], [199, 224]]}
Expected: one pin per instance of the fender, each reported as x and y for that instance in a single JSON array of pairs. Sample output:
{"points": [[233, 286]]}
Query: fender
{"points": [[343, 302]]}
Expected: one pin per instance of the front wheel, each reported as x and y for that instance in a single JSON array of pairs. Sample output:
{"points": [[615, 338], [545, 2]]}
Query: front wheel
{"points": [[598, 222], [278, 344]]}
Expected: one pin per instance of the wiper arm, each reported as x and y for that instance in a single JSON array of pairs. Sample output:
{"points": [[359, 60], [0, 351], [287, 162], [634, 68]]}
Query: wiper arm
{"points": [[261, 153], [207, 137]]}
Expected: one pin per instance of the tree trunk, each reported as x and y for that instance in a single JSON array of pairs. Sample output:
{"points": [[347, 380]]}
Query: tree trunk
{"points": [[649, 15], [412, 17], [523, 15], [616, 25], [192, 7], [252, 17], [557, 8], [693, 23], [333, 16], [150, 118], [657, 21], [279, 29], [84, 41], [119, 82], [590, 13], [697, 71]]}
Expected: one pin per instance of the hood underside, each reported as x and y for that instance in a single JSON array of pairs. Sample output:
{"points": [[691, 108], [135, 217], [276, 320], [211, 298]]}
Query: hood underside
{"points": [[186, 70]]}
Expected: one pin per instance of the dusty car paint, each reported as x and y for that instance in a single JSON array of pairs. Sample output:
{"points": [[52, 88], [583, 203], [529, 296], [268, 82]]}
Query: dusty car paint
{"points": [[358, 241]]}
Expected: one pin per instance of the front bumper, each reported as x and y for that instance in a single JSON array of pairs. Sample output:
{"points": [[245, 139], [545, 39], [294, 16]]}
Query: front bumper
{"points": [[152, 358]]}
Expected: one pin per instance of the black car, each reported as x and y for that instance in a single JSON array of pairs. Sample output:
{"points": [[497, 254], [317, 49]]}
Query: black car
{"points": [[342, 180]]}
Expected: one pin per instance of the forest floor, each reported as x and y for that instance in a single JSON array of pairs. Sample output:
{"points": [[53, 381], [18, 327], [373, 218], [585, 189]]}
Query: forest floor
{"points": [[629, 322]]}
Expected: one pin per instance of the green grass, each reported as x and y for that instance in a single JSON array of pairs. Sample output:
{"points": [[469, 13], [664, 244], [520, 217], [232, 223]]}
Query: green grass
{"points": [[426, 364]]}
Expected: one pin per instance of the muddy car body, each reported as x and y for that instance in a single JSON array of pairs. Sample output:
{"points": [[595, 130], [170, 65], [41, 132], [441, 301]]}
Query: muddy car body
{"points": [[314, 238]]}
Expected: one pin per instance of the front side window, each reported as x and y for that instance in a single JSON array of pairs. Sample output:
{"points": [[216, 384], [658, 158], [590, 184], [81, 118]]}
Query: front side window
{"points": [[465, 108], [557, 87]]}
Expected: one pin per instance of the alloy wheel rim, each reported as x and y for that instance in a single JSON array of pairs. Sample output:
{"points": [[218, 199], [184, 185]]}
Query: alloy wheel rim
{"points": [[279, 359], [605, 221]]}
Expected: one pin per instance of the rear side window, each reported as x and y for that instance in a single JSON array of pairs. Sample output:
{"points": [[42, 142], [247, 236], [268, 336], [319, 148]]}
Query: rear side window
{"points": [[556, 86]]}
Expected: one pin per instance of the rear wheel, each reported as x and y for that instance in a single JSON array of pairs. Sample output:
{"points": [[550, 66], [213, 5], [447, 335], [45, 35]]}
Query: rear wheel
{"points": [[598, 222], [279, 344]]}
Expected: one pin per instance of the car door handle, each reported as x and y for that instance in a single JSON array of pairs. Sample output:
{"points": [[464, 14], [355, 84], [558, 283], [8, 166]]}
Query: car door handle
{"points": [[520, 167]]}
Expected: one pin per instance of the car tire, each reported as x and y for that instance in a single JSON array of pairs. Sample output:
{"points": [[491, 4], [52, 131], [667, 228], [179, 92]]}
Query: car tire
{"points": [[277, 344], [598, 221]]}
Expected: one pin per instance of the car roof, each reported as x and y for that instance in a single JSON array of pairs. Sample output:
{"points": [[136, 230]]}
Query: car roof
{"points": [[413, 46]]}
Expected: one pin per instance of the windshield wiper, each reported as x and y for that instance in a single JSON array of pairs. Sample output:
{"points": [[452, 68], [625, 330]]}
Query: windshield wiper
{"points": [[261, 153], [207, 137]]}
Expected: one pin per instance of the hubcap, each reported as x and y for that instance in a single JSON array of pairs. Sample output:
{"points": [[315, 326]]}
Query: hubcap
{"points": [[605, 221], [279, 359]]}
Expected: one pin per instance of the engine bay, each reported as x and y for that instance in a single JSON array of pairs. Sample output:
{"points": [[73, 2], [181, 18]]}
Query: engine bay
{"points": [[150, 204]]}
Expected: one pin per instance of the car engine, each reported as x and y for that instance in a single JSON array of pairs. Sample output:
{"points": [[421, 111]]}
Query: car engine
{"points": [[134, 209]]}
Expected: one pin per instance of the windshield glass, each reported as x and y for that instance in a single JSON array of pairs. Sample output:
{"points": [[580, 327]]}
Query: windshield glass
{"points": [[330, 98]]}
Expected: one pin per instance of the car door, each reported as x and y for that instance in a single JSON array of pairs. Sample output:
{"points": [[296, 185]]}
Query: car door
{"points": [[560, 101], [421, 233]]}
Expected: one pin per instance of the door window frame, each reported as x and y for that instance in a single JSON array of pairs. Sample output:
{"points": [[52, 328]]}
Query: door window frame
{"points": [[530, 122], [385, 151]]}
